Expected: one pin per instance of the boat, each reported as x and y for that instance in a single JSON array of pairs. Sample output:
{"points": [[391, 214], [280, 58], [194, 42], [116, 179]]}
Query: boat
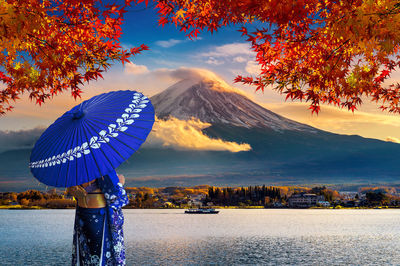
{"points": [[201, 211]]}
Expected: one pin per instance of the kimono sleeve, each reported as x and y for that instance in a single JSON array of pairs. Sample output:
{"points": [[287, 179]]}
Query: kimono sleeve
{"points": [[114, 192]]}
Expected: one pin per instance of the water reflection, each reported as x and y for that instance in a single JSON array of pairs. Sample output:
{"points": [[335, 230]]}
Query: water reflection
{"points": [[331, 250], [233, 237]]}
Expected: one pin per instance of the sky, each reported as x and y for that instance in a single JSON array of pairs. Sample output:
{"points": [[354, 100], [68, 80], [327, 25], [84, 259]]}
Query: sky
{"points": [[224, 53]]}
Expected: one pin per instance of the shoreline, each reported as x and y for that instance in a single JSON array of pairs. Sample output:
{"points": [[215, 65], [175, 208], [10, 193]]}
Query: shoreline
{"points": [[22, 207]]}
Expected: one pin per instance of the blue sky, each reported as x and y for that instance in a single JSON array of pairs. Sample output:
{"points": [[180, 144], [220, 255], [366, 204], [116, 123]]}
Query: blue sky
{"points": [[170, 48]]}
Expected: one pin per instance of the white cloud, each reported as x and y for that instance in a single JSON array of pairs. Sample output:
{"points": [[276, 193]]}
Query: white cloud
{"points": [[239, 59], [212, 61], [172, 42], [131, 68], [253, 67], [168, 43], [229, 50], [187, 135]]}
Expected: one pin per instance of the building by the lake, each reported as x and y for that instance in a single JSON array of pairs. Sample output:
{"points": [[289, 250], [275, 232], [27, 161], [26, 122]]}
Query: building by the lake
{"points": [[305, 200]]}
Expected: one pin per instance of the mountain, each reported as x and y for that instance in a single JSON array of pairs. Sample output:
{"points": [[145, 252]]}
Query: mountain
{"points": [[215, 102], [283, 151]]}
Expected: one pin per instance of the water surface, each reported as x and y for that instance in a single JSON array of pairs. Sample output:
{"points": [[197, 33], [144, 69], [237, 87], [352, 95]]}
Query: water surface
{"points": [[232, 237]]}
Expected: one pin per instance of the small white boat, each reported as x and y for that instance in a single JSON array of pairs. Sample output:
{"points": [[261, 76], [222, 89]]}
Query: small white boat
{"points": [[201, 211]]}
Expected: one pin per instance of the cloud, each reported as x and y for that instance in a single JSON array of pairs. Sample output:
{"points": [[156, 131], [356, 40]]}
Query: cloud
{"points": [[239, 59], [168, 43], [187, 135], [229, 50], [27, 115], [341, 121], [253, 67], [131, 68], [212, 61], [175, 133], [172, 42], [393, 139], [182, 73], [21, 139], [193, 75]]}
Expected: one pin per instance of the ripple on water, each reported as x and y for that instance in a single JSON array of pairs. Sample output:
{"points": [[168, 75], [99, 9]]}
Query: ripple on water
{"points": [[233, 237]]}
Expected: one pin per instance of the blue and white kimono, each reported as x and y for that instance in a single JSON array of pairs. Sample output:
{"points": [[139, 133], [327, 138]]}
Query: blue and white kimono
{"points": [[98, 235]]}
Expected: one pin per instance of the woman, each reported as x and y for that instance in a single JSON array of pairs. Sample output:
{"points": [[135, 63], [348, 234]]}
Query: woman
{"points": [[98, 235]]}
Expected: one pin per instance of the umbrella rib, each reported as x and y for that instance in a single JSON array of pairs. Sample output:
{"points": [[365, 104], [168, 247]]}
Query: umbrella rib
{"points": [[76, 159], [84, 158], [104, 154], [125, 143], [112, 113], [50, 155], [68, 166], [111, 145], [45, 147], [88, 178], [97, 100], [60, 168], [123, 132], [103, 99], [91, 152]]}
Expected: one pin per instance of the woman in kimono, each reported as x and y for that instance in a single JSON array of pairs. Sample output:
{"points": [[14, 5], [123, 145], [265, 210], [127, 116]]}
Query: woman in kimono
{"points": [[98, 235]]}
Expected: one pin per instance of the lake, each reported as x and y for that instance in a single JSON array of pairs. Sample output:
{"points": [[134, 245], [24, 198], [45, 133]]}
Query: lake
{"points": [[232, 237]]}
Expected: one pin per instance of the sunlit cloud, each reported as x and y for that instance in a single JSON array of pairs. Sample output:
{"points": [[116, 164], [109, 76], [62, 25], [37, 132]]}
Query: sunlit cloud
{"points": [[393, 139], [253, 67], [171, 133], [333, 119], [131, 68], [187, 135], [168, 77], [195, 75]]}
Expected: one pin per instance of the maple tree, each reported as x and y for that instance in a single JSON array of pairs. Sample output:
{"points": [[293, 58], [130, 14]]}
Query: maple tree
{"points": [[49, 46], [320, 51]]}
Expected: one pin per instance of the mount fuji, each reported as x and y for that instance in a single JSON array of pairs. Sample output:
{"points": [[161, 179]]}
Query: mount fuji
{"points": [[213, 101], [282, 151]]}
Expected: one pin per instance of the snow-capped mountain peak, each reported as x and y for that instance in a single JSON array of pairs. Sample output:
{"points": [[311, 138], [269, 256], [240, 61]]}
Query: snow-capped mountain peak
{"points": [[214, 101]]}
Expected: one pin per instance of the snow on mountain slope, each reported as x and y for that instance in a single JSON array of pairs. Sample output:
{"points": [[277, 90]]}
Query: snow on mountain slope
{"points": [[214, 101]]}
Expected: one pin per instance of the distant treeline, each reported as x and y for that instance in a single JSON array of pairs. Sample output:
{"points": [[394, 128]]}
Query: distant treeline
{"points": [[204, 195], [244, 196], [29, 198]]}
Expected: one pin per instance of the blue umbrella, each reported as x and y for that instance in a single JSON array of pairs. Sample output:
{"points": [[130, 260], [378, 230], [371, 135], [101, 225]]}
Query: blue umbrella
{"points": [[92, 139]]}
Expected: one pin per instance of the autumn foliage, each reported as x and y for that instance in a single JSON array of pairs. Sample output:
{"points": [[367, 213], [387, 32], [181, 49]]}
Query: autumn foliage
{"points": [[320, 51], [49, 46]]}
